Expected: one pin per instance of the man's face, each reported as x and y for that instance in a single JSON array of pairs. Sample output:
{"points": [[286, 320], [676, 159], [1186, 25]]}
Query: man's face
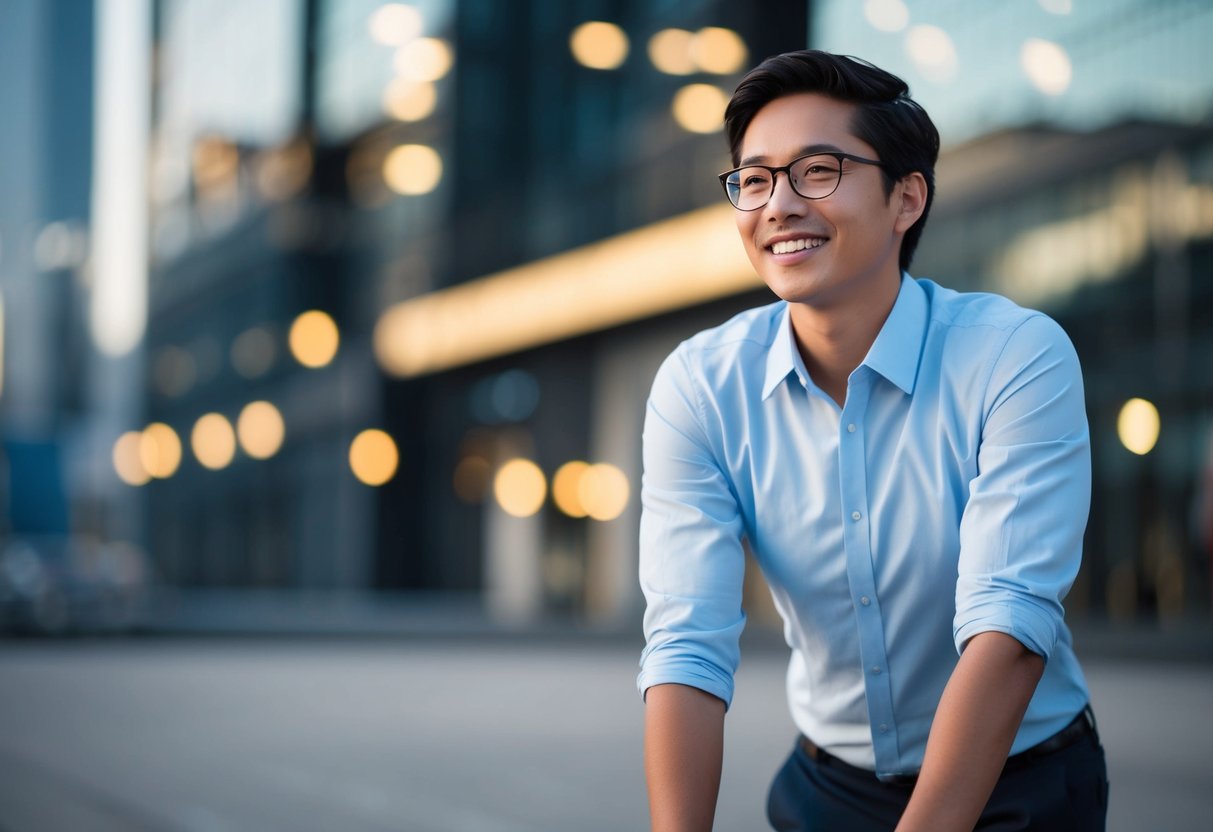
{"points": [[852, 237]]}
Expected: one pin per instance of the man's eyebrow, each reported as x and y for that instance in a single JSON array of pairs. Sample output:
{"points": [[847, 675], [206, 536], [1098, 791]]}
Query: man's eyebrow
{"points": [[804, 151]]}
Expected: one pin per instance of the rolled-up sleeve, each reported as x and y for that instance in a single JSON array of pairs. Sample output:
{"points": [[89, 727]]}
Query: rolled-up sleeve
{"points": [[691, 559], [1022, 529]]}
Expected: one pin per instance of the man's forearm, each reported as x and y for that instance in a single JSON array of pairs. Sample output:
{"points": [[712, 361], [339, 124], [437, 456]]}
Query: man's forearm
{"points": [[975, 724], [683, 750]]}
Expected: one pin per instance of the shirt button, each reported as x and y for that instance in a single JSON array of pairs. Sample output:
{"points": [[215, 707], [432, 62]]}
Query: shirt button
{"points": [[851, 428], [865, 600], [855, 515], [876, 669], [884, 729]]}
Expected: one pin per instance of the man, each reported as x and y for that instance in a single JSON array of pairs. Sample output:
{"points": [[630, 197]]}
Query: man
{"points": [[910, 467]]}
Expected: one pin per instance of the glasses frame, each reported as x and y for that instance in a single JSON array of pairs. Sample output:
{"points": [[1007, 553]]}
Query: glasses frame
{"points": [[787, 171]]}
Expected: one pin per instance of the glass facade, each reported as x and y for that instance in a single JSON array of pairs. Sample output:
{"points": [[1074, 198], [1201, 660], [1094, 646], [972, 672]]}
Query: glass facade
{"points": [[1076, 178], [412, 267]]}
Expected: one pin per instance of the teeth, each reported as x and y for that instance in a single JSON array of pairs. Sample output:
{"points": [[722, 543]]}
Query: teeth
{"points": [[789, 246]]}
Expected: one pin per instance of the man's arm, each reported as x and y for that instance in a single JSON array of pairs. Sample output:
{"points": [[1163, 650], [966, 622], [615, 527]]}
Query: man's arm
{"points": [[683, 751], [971, 736]]}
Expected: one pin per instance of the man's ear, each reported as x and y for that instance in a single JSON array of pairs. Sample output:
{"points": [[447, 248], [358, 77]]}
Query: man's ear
{"points": [[911, 199]]}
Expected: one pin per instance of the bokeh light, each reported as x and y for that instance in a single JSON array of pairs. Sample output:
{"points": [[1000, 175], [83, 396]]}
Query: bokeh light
{"points": [[933, 53], [213, 441], [886, 15], [1138, 426], [373, 457], [314, 339], [566, 488], [699, 108], [719, 51], [407, 100], [394, 24], [520, 488], [424, 59], [599, 45], [127, 457], [283, 172], [253, 352], [670, 51], [1047, 66], [412, 169], [260, 429], [160, 450], [471, 479], [604, 491]]}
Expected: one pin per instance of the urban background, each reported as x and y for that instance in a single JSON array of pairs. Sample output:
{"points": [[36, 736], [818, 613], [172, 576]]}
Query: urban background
{"points": [[331, 316]]}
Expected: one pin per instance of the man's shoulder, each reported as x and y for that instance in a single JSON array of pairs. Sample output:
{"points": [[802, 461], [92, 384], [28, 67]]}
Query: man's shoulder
{"points": [[746, 334], [951, 308]]}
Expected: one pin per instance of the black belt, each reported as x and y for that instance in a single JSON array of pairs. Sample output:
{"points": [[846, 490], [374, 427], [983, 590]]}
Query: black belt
{"points": [[1081, 726]]}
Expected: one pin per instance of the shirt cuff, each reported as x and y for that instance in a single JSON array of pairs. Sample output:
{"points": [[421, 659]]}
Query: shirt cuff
{"points": [[1022, 619]]}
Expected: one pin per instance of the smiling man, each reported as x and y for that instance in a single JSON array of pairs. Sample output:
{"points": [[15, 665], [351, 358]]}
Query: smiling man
{"points": [[910, 467]]}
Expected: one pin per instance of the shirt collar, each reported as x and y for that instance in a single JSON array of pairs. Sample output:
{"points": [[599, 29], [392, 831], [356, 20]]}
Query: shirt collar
{"points": [[894, 354], [783, 357]]}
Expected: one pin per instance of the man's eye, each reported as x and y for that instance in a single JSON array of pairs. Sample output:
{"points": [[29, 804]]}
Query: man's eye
{"points": [[755, 181]]}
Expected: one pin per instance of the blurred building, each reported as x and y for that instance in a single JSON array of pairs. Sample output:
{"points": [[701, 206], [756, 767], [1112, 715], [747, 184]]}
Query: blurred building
{"points": [[413, 266], [390, 218]]}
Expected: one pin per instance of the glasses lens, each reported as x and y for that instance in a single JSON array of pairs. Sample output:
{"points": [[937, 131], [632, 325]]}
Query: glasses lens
{"points": [[749, 188], [816, 176]]}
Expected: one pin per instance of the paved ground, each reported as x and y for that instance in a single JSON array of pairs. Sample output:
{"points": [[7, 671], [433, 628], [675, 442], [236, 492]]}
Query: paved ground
{"points": [[490, 735]]}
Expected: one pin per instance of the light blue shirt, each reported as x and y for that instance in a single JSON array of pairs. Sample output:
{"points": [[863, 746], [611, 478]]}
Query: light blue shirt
{"points": [[946, 498]]}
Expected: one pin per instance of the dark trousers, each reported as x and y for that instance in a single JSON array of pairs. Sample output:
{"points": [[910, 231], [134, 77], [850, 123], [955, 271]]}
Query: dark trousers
{"points": [[1062, 791]]}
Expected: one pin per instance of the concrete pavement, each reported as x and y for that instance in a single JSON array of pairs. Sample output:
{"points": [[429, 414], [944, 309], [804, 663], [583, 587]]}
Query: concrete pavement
{"points": [[455, 734]]}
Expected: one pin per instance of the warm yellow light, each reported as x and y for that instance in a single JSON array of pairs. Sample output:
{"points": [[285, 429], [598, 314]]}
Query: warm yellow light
{"points": [[216, 162], [128, 462], [412, 169], [604, 491], [566, 488], [409, 100], [314, 339], [283, 172], [160, 450], [394, 24], [424, 59], [520, 487], [719, 51], [1138, 426], [599, 45], [260, 429], [699, 108], [670, 51], [213, 441], [471, 479], [669, 265], [1047, 66], [373, 457]]}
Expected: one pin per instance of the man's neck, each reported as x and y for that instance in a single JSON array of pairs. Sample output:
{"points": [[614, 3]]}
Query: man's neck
{"points": [[833, 340]]}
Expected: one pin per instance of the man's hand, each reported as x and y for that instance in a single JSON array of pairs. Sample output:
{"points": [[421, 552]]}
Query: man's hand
{"points": [[975, 724], [683, 751]]}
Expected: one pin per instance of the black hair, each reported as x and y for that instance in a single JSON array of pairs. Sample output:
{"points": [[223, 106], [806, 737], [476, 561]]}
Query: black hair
{"points": [[895, 125]]}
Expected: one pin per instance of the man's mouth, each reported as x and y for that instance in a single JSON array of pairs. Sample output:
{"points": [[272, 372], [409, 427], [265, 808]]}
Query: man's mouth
{"points": [[799, 244]]}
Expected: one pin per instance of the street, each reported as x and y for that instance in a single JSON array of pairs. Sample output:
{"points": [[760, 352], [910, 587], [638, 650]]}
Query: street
{"points": [[449, 735]]}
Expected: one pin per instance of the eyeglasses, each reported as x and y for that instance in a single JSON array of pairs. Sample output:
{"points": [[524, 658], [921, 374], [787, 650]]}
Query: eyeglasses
{"points": [[815, 176]]}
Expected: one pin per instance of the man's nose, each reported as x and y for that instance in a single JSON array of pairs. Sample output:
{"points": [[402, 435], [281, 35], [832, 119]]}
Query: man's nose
{"points": [[784, 200]]}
